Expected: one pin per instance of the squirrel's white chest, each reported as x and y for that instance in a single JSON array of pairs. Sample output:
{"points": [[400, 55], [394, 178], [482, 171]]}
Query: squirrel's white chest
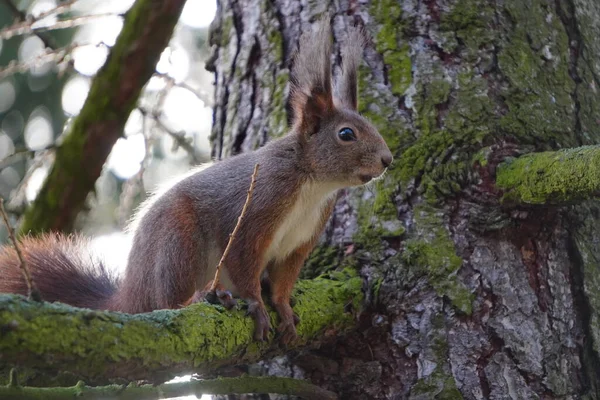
{"points": [[301, 222]]}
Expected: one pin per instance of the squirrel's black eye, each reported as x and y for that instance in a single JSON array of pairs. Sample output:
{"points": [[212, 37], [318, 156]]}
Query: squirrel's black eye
{"points": [[346, 134]]}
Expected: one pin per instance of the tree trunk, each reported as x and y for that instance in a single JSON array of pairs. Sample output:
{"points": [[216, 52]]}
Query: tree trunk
{"points": [[467, 296]]}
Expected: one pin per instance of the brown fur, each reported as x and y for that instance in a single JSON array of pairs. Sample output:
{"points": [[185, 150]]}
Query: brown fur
{"points": [[62, 269], [283, 274], [180, 237]]}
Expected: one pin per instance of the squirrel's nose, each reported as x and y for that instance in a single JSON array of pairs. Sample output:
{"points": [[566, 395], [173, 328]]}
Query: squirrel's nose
{"points": [[386, 160]]}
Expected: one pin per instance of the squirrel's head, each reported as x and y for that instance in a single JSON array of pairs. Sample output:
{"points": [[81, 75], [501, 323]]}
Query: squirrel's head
{"points": [[340, 145]]}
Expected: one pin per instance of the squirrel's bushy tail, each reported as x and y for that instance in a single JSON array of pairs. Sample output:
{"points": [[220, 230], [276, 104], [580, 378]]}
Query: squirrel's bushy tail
{"points": [[63, 269]]}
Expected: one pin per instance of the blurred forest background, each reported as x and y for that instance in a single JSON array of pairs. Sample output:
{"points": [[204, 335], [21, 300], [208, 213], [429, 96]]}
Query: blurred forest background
{"points": [[41, 90]]}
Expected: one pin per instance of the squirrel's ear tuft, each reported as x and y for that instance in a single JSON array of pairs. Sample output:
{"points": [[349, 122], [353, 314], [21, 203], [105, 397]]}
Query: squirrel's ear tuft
{"points": [[352, 53], [311, 96]]}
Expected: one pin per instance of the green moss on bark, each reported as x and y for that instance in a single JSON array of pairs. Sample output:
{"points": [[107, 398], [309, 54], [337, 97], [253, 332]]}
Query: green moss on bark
{"points": [[377, 215], [441, 157], [427, 158], [227, 31], [470, 22], [277, 83], [433, 254], [163, 343], [322, 259], [391, 44], [535, 62], [439, 384], [436, 386], [278, 119], [554, 177]]}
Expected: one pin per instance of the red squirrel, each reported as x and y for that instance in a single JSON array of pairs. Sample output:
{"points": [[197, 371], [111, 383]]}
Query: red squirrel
{"points": [[182, 233]]}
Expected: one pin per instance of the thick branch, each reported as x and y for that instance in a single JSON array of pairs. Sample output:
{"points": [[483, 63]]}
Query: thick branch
{"points": [[239, 385], [101, 346], [554, 177], [147, 28]]}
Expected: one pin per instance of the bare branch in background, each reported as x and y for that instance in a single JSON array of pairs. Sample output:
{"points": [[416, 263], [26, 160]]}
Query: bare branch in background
{"points": [[202, 95], [179, 136], [58, 56], [147, 29], [156, 115], [21, 16], [18, 202], [27, 21], [27, 27], [18, 155], [135, 185], [60, 8]]}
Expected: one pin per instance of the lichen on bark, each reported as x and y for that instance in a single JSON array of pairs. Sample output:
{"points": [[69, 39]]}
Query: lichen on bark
{"points": [[99, 346], [554, 177]]}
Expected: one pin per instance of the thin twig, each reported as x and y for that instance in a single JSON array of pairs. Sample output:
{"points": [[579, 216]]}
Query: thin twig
{"points": [[21, 16], [31, 288], [58, 56], [162, 95], [178, 136], [237, 227], [17, 203], [156, 114], [59, 9], [200, 94], [134, 186], [15, 157], [26, 27]]}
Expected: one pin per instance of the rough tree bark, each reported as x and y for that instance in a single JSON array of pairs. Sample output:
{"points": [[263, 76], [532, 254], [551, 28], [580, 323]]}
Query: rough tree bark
{"points": [[470, 296]]}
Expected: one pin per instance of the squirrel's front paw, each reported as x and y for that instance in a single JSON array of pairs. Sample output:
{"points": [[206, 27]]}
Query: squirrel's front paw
{"points": [[226, 298], [261, 321]]}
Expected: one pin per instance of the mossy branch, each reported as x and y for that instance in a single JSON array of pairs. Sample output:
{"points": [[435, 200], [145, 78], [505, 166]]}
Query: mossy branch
{"points": [[554, 177], [100, 347], [241, 385], [147, 29]]}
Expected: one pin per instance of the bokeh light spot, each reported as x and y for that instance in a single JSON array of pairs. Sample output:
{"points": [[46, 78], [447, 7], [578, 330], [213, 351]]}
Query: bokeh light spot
{"points": [[7, 146], [7, 95], [38, 131], [74, 94], [198, 13]]}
